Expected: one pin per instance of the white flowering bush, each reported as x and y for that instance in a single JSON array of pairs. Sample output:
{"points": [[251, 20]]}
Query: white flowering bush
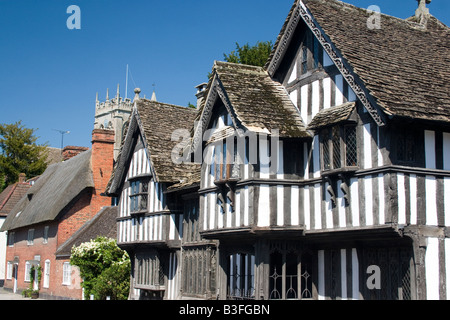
{"points": [[104, 268]]}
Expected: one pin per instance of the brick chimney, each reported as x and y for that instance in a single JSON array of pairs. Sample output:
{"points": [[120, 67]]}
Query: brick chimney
{"points": [[102, 165], [71, 151], [22, 178]]}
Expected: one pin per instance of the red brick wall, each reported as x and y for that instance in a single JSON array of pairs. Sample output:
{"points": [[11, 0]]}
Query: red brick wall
{"points": [[71, 151], [102, 165], [75, 217], [88, 204], [81, 209], [46, 251]]}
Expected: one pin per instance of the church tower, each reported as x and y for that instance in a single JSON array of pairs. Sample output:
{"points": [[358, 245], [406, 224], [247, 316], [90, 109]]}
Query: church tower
{"points": [[113, 114]]}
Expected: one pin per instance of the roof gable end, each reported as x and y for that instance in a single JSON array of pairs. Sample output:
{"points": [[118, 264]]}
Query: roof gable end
{"points": [[300, 12], [253, 100]]}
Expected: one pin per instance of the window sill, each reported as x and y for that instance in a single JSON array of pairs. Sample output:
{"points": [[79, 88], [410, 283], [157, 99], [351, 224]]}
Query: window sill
{"points": [[343, 171], [150, 287], [137, 213], [225, 181]]}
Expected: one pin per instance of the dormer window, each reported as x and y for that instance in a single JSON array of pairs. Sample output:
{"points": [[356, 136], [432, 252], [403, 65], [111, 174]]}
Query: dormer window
{"points": [[336, 127]]}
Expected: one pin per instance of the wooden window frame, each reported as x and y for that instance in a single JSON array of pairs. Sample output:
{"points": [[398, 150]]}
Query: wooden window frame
{"points": [[223, 162], [310, 54], [67, 270], [413, 142], [139, 195], [149, 272], [335, 137], [241, 285]]}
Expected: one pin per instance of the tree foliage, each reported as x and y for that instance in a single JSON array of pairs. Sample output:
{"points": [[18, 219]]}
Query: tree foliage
{"points": [[256, 55], [104, 268], [19, 153]]}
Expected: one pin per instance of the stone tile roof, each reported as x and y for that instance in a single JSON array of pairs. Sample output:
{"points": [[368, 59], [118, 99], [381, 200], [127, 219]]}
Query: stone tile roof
{"points": [[102, 224], [52, 192], [159, 121], [259, 103], [190, 182], [404, 65], [331, 116]]}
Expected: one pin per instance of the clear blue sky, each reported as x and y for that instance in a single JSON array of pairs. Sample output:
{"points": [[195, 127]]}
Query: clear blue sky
{"points": [[49, 75]]}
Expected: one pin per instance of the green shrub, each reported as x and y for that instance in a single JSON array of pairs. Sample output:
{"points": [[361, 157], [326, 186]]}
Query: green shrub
{"points": [[104, 268]]}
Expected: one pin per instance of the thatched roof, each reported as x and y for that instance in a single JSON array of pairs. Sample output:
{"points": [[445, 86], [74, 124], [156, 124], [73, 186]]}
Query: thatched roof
{"points": [[52, 192]]}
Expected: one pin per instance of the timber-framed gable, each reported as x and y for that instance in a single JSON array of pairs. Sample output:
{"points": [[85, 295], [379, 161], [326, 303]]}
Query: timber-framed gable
{"points": [[299, 13]]}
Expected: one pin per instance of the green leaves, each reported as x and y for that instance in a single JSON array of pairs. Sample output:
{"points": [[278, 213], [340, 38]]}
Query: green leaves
{"points": [[104, 267], [256, 55], [19, 153]]}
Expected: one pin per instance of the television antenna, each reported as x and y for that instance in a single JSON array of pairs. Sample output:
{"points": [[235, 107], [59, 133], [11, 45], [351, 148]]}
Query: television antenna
{"points": [[62, 132]]}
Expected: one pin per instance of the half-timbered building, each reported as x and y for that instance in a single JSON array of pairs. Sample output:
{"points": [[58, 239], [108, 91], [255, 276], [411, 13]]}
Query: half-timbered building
{"points": [[324, 174], [150, 219], [348, 176]]}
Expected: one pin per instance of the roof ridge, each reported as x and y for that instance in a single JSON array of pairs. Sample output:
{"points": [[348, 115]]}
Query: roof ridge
{"points": [[238, 65], [166, 104], [408, 20]]}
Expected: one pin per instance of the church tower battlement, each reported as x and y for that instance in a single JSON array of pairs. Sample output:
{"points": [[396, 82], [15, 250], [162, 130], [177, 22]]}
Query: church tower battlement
{"points": [[113, 114]]}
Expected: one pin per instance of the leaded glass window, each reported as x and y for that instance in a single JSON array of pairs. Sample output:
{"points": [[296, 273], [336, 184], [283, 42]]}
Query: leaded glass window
{"points": [[139, 195], [339, 147]]}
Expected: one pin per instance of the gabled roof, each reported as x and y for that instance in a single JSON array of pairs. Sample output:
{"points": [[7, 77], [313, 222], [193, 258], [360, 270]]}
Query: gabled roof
{"points": [[254, 101], [156, 122], [52, 192], [401, 68], [11, 195], [103, 224]]}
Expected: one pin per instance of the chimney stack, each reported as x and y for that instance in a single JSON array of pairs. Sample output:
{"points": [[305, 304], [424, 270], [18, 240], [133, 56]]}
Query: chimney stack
{"points": [[71, 151], [102, 160], [201, 88], [22, 178], [422, 12]]}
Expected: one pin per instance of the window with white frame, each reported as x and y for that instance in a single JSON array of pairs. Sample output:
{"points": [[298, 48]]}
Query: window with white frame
{"points": [[30, 238], [27, 271], [45, 239], [67, 270], [9, 269], [46, 273]]}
